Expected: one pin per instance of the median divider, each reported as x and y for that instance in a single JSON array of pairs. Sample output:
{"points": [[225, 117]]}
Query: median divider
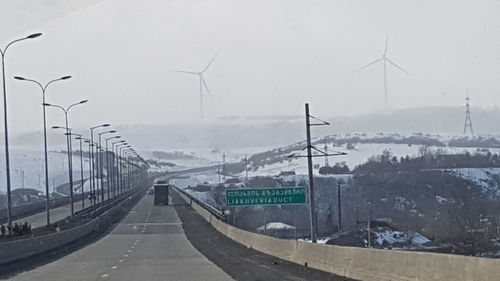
{"points": [[353, 262]]}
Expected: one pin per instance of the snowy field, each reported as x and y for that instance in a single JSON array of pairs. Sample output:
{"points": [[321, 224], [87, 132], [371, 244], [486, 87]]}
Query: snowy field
{"points": [[196, 179], [360, 154], [204, 157]]}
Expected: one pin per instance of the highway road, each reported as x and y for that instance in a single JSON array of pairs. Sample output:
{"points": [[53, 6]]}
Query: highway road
{"points": [[149, 244], [160, 243]]}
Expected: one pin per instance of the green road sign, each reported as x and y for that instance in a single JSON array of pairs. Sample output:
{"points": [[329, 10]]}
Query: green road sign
{"points": [[266, 196]]}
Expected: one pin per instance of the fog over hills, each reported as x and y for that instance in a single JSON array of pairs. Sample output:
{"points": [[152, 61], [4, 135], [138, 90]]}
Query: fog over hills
{"points": [[271, 131]]}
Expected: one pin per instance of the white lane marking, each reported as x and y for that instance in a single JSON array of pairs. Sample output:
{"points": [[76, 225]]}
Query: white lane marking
{"points": [[114, 267], [121, 260], [125, 255], [129, 251], [154, 223], [104, 275]]}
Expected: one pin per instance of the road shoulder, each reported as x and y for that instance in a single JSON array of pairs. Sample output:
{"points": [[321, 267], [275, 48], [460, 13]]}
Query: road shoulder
{"points": [[237, 260]]}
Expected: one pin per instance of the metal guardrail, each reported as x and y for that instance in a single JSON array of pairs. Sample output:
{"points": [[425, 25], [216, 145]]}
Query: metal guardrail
{"points": [[214, 211], [99, 208]]}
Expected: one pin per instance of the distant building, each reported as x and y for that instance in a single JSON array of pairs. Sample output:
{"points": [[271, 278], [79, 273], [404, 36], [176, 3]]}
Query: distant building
{"points": [[287, 173]]}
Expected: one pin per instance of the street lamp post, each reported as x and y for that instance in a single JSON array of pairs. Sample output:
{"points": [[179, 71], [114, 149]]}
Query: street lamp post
{"points": [[127, 153], [96, 159], [44, 88], [6, 131], [92, 201], [68, 140], [119, 181], [124, 168], [101, 170], [115, 171], [129, 166], [80, 138], [109, 170]]}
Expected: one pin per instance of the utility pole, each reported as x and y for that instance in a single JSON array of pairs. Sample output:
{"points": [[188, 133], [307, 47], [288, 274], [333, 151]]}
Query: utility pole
{"points": [[370, 226], [246, 169], [326, 151], [310, 147], [339, 212], [223, 166], [218, 171], [468, 121], [311, 177], [369, 238]]}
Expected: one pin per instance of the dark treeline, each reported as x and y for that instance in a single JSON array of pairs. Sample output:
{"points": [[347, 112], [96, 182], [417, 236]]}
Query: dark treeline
{"points": [[443, 206], [428, 159]]}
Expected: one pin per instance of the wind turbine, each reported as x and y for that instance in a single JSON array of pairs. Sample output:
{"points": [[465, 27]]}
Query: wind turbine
{"points": [[203, 83], [386, 60]]}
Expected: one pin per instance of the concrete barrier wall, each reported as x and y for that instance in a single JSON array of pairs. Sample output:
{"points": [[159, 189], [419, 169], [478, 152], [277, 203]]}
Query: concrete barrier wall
{"points": [[24, 248], [362, 263], [20, 249]]}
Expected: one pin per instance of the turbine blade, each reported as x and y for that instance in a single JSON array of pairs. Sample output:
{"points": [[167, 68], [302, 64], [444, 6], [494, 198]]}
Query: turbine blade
{"points": [[183, 71], [206, 87], [398, 67], [373, 62], [208, 65]]}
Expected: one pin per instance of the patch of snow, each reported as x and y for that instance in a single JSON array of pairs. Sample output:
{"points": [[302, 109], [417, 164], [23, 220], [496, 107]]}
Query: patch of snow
{"points": [[441, 199], [275, 226], [197, 178], [392, 237], [483, 177]]}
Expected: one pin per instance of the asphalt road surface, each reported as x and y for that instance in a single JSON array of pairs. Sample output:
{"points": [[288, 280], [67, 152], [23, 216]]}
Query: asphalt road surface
{"points": [[237, 260], [164, 243], [149, 244]]}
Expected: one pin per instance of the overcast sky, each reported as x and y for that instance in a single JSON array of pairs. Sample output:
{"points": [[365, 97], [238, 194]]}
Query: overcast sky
{"points": [[274, 56]]}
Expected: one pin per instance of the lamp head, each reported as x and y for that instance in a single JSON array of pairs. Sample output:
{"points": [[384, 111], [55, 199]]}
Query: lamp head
{"points": [[35, 35]]}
